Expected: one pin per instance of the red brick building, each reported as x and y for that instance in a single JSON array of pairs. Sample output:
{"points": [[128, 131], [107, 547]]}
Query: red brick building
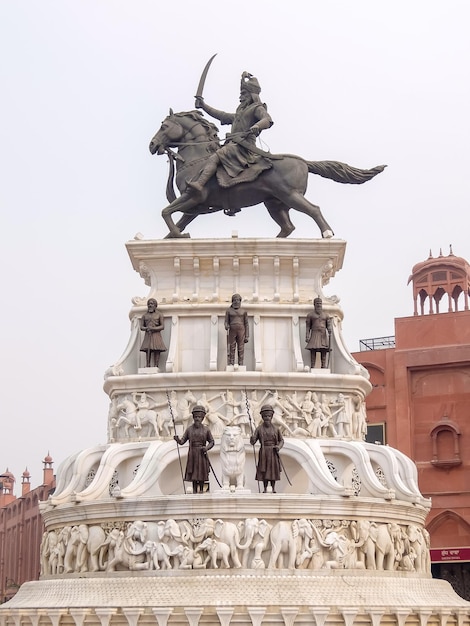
{"points": [[21, 529], [420, 404]]}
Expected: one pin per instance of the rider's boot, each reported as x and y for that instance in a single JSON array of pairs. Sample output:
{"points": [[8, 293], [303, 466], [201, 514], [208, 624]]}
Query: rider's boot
{"points": [[205, 175]]}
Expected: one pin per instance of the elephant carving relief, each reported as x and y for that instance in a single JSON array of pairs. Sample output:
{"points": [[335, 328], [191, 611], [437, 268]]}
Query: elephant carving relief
{"points": [[50, 551], [130, 551], [283, 545], [420, 549], [375, 544], [216, 551], [250, 543], [254, 537], [96, 537], [342, 552], [76, 552], [224, 531], [189, 558], [195, 533], [228, 533], [158, 553], [333, 549], [310, 549], [170, 533], [108, 547]]}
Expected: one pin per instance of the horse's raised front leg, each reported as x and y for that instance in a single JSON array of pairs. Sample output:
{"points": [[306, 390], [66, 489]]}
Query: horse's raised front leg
{"points": [[183, 203], [297, 201], [126, 424], [280, 214]]}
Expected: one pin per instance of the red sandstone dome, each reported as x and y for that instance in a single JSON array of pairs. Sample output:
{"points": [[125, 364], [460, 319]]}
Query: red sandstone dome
{"points": [[438, 276]]}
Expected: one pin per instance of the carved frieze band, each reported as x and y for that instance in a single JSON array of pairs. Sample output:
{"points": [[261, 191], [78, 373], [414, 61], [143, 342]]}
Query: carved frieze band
{"points": [[297, 414], [251, 543]]}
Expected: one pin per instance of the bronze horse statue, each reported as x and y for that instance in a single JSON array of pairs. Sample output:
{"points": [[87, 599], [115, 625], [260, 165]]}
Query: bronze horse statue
{"points": [[280, 188]]}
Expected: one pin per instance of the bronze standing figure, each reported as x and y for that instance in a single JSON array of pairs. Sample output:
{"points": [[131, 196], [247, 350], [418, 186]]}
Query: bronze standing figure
{"points": [[236, 324], [271, 441], [200, 441], [317, 333], [152, 323]]}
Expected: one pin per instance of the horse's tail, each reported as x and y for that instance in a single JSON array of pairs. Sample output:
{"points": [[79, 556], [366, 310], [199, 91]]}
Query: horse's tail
{"points": [[342, 172]]}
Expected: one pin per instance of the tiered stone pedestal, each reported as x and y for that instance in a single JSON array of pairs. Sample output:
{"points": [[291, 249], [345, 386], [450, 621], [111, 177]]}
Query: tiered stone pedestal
{"points": [[193, 282], [124, 543]]}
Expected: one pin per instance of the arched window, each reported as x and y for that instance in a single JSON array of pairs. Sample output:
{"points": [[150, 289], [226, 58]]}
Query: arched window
{"points": [[456, 293], [445, 444], [423, 294], [438, 296]]}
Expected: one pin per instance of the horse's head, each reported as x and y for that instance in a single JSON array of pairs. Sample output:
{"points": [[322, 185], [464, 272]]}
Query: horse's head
{"points": [[189, 396], [189, 126], [170, 132]]}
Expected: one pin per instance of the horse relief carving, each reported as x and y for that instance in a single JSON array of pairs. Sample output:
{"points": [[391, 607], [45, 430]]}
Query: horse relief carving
{"points": [[308, 414], [141, 414], [134, 416]]}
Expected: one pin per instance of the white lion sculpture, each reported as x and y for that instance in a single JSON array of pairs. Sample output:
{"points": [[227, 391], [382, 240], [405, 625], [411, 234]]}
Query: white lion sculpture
{"points": [[232, 458]]}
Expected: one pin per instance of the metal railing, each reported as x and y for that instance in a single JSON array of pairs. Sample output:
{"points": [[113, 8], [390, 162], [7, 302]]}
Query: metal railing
{"points": [[377, 343]]}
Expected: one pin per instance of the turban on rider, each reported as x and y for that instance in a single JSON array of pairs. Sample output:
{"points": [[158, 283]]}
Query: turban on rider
{"points": [[249, 83]]}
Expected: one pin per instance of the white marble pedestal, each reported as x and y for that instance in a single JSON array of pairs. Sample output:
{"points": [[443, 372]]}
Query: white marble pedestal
{"points": [[125, 545]]}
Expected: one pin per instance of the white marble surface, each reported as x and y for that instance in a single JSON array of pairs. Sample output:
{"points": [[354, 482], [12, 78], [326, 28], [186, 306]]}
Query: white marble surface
{"points": [[124, 543]]}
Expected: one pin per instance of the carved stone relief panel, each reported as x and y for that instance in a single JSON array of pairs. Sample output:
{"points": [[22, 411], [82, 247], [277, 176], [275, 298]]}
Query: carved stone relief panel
{"points": [[297, 413], [250, 543]]}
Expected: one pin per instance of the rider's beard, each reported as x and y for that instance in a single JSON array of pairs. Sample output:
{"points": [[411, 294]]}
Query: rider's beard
{"points": [[243, 105]]}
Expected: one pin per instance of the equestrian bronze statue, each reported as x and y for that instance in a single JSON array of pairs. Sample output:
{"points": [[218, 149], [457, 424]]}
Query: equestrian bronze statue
{"points": [[212, 177]]}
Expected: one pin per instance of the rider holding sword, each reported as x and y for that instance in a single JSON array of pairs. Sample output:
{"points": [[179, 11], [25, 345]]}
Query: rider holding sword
{"points": [[242, 161]]}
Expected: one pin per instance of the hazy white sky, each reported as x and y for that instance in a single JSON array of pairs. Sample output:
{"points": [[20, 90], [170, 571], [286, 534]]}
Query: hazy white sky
{"points": [[86, 84]]}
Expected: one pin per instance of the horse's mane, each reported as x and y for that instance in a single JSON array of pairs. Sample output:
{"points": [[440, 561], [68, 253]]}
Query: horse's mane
{"points": [[211, 129]]}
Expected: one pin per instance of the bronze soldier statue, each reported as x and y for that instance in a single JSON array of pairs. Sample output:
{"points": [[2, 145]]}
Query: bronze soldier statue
{"points": [[152, 323], [271, 441], [236, 323], [317, 333], [200, 441]]}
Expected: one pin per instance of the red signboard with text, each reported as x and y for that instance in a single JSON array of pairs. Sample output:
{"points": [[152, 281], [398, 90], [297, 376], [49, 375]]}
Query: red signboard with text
{"points": [[450, 554]]}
